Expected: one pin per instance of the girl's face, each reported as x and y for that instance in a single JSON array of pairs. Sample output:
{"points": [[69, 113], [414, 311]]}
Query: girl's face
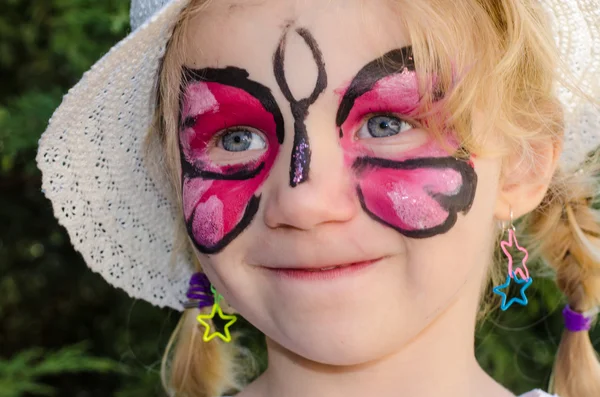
{"points": [[321, 209]]}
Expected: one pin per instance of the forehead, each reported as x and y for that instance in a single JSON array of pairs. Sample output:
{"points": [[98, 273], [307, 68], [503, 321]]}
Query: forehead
{"points": [[245, 34]]}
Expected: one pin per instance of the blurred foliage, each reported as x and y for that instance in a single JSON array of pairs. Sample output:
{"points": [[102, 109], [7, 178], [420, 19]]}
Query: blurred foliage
{"points": [[50, 301], [21, 374]]}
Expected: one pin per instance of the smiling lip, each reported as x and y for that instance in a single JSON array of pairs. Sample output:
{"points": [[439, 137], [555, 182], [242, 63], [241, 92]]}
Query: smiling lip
{"points": [[324, 273]]}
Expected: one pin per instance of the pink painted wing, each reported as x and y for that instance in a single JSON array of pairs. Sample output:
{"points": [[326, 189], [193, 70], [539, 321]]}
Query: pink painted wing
{"points": [[418, 197]]}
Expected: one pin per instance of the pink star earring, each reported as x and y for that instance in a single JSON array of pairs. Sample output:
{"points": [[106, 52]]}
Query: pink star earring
{"points": [[519, 275]]}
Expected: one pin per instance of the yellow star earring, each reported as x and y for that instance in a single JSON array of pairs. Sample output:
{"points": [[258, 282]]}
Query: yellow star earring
{"points": [[216, 309]]}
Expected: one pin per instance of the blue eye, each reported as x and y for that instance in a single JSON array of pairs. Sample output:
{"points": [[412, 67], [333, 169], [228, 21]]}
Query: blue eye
{"points": [[383, 126], [241, 140]]}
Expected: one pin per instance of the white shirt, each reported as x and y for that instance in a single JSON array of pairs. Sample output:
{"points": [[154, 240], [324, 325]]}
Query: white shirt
{"points": [[533, 393], [537, 393]]}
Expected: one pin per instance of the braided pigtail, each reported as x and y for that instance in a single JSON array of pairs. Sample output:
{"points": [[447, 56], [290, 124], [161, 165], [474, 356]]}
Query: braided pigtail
{"points": [[190, 366], [565, 232], [194, 368]]}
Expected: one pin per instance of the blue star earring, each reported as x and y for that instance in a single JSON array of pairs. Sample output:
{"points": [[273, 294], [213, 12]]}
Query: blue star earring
{"points": [[520, 275]]}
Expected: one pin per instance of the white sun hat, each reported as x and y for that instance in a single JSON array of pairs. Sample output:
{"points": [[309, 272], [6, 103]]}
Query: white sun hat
{"points": [[118, 213]]}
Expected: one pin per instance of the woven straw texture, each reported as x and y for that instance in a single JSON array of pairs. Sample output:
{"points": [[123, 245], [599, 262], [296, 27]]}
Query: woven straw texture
{"points": [[142, 10], [576, 25], [116, 213], [115, 209]]}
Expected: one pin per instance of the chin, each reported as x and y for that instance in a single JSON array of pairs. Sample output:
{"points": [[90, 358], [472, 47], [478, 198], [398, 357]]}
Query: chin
{"points": [[339, 345], [327, 352]]}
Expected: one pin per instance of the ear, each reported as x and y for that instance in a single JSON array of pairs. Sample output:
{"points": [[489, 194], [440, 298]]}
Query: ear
{"points": [[524, 181]]}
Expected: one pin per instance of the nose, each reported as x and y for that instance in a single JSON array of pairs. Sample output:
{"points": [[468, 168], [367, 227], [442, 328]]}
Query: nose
{"points": [[327, 196]]}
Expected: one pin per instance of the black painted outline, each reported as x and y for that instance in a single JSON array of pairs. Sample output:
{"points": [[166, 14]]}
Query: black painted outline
{"points": [[459, 202], [238, 78], [244, 173], [392, 62], [234, 77], [301, 152], [249, 213]]}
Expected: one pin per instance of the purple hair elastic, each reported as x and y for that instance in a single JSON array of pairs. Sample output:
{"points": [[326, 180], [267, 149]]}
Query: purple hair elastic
{"points": [[199, 292], [575, 321]]}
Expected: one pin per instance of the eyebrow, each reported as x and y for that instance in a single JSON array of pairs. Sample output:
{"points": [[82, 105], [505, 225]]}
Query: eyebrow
{"points": [[392, 62]]}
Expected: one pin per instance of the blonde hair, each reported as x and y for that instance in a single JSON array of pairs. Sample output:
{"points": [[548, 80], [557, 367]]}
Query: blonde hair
{"points": [[492, 55]]}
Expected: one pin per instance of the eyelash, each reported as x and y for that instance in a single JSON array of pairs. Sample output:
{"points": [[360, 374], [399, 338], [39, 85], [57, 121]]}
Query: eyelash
{"points": [[414, 123], [214, 141]]}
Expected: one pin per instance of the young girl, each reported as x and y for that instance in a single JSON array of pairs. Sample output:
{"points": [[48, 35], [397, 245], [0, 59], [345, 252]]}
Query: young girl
{"points": [[339, 174]]}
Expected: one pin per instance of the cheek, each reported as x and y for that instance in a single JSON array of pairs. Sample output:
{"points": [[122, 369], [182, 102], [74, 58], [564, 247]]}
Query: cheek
{"points": [[418, 192], [216, 209], [208, 226], [406, 199]]}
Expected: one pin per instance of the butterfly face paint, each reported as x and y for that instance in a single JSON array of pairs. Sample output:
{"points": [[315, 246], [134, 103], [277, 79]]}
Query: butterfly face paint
{"points": [[300, 162], [219, 201], [418, 192]]}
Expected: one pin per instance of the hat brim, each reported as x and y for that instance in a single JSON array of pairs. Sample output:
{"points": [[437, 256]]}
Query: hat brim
{"points": [[576, 26], [117, 213]]}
